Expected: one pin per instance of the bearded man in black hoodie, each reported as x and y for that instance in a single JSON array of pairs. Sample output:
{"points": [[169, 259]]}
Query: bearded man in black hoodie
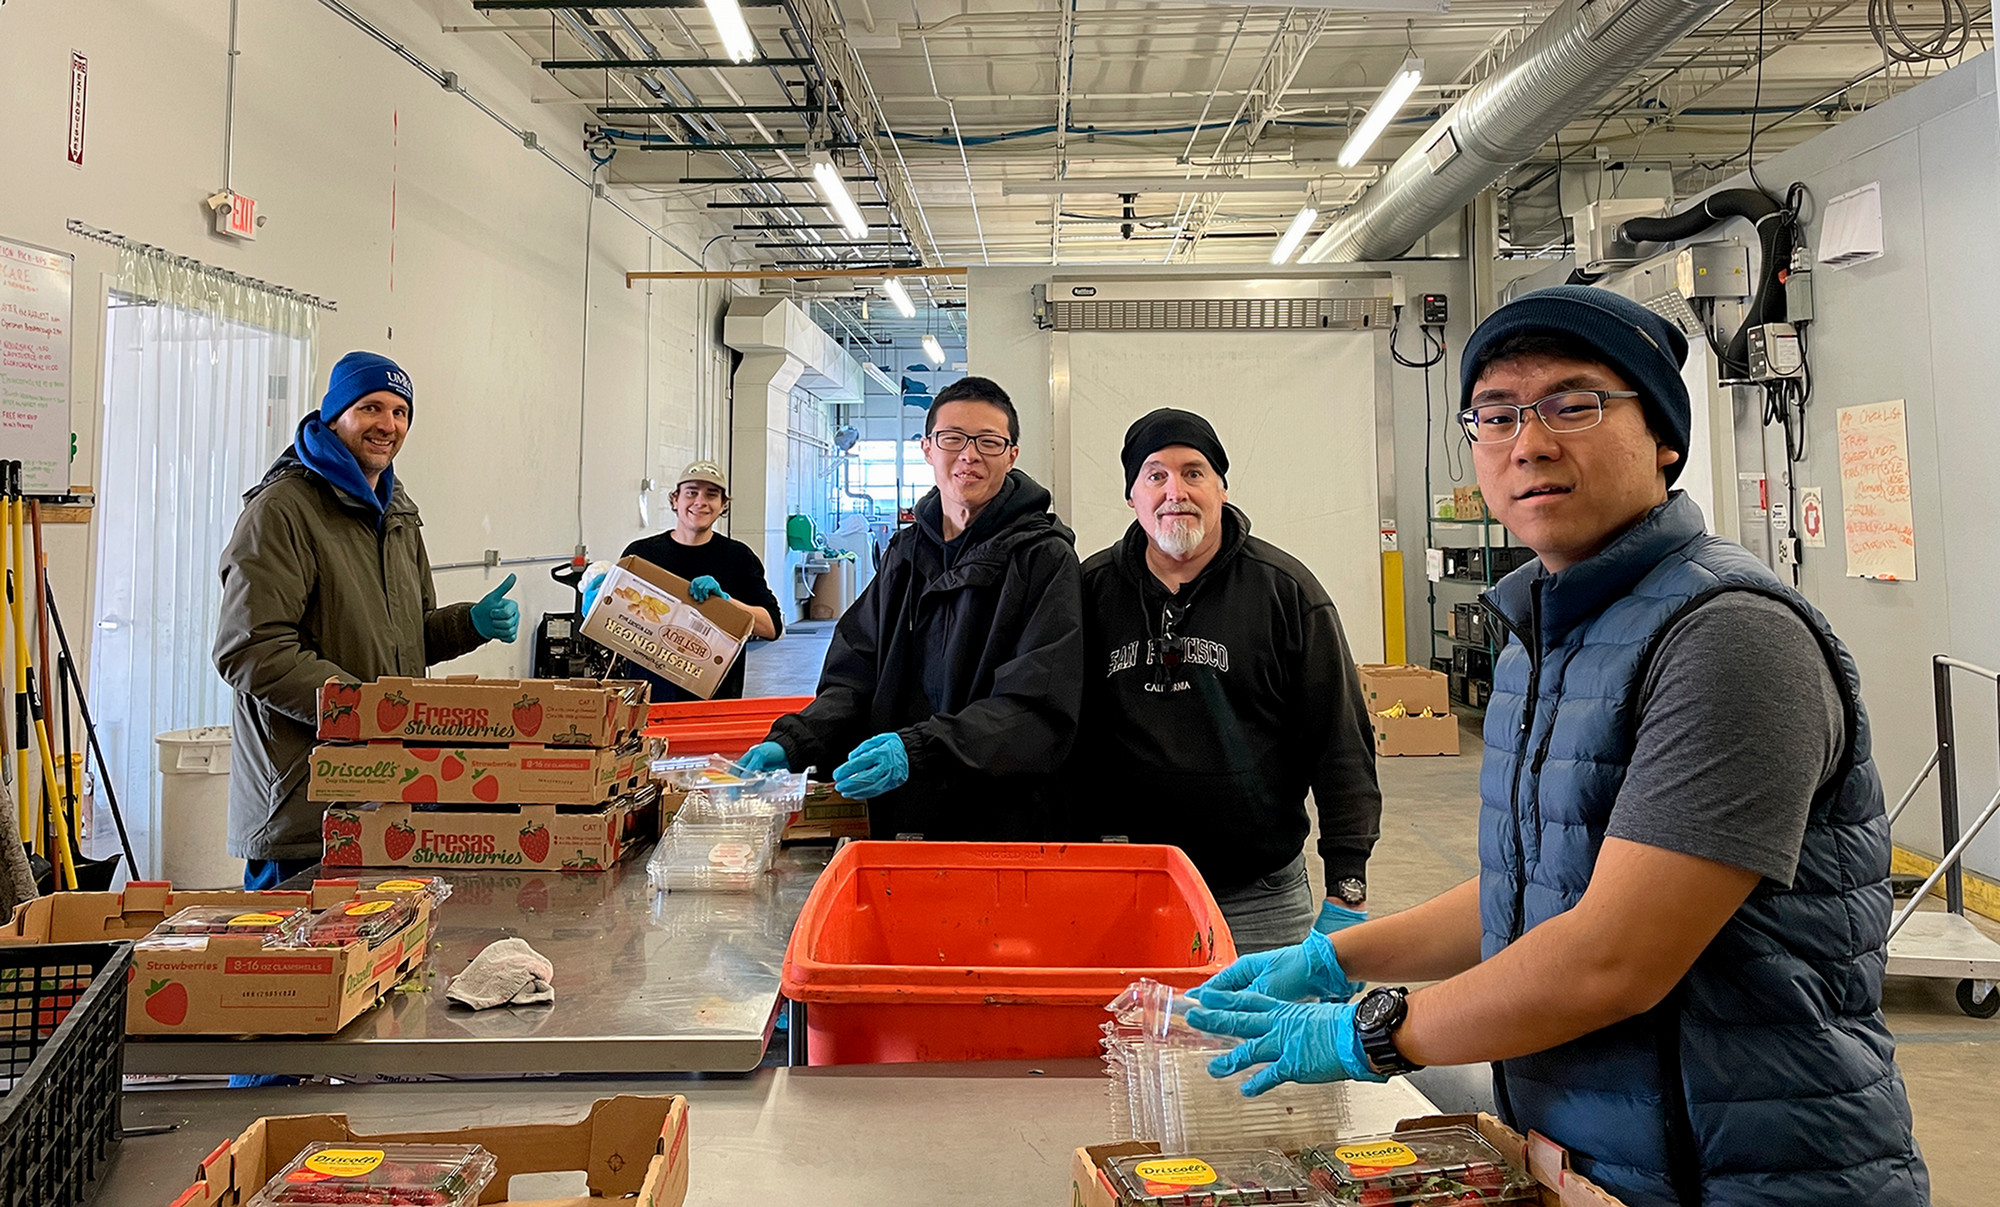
{"points": [[952, 686], [1220, 689]]}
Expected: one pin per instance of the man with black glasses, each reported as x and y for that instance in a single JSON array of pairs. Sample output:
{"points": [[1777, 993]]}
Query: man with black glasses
{"points": [[1220, 691], [1673, 952], [952, 687]]}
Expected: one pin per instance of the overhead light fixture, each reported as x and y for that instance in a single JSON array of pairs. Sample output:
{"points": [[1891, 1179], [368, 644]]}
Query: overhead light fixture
{"points": [[1395, 94], [933, 351], [733, 30], [894, 291], [1294, 235], [833, 191]]}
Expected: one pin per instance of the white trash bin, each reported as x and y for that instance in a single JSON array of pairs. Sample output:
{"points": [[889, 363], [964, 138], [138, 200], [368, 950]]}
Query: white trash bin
{"points": [[194, 809]]}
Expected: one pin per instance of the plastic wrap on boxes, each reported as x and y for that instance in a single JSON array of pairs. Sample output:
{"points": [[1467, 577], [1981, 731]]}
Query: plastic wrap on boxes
{"points": [[280, 926], [1161, 1090], [1210, 1179], [367, 921], [416, 1175], [1411, 1168]]}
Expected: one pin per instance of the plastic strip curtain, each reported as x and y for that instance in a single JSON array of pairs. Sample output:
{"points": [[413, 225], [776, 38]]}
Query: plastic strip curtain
{"points": [[205, 379]]}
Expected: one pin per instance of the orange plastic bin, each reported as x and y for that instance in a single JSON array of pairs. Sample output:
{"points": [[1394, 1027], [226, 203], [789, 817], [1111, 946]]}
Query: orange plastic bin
{"points": [[724, 727], [937, 951]]}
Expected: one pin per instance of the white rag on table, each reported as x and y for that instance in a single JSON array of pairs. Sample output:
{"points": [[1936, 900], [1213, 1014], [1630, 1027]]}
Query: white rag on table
{"points": [[508, 972]]}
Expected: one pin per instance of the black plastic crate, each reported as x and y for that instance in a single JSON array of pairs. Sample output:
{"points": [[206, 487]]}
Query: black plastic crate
{"points": [[62, 1055]]}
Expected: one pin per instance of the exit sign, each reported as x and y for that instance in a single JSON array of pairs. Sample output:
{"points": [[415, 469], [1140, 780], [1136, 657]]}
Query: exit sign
{"points": [[235, 215]]}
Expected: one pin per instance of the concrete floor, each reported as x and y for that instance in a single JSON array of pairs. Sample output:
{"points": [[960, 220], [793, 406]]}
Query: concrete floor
{"points": [[1429, 843]]}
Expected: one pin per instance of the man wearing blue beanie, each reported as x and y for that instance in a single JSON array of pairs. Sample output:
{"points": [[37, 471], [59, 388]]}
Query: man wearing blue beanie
{"points": [[326, 577], [1673, 952]]}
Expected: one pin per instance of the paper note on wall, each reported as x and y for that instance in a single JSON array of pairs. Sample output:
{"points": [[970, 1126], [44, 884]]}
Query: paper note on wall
{"points": [[35, 364], [1875, 492]]}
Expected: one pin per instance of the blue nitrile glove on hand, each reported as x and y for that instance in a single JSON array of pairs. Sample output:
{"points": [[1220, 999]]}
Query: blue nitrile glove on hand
{"points": [[706, 588], [1333, 916], [1309, 971], [497, 618], [1294, 1041], [876, 766], [765, 756], [593, 584]]}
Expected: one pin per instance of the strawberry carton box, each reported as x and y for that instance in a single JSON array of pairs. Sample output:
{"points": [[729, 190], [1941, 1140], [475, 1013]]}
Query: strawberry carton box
{"points": [[650, 616], [474, 711], [528, 836], [474, 775], [231, 984], [631, 1149]]}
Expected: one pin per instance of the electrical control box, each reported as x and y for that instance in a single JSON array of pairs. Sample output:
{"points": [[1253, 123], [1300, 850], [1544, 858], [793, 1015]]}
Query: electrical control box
{"points": [[1775, 352], [1434, 310]]}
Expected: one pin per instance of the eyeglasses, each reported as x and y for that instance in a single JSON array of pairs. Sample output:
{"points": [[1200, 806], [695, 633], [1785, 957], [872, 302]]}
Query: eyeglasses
{"points": [[1569, 411], [951, 440]]}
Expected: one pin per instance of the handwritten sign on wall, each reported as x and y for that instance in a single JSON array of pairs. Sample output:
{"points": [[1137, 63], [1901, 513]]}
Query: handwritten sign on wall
{"points": [[34, 364], [1875, 492]]}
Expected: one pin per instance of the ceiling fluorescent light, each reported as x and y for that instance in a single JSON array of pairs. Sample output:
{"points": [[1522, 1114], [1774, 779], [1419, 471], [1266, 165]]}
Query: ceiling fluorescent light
{"points": [[1394, 95], [894, 291], [1294, 235], [733, 30], [826, 178], [880, 378], [933, 351]]}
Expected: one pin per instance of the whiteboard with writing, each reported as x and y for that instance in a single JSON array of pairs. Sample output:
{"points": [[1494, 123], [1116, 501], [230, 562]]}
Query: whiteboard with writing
{"points": [[1875, 492], [35, 290]]}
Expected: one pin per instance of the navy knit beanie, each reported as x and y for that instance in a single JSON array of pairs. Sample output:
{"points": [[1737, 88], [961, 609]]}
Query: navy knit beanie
{"points": [[1164, 428], [359, 374], [1644, 348]]}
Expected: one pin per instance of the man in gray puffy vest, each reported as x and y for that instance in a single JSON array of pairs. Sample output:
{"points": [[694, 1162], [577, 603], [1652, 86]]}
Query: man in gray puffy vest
{"points": [[1673, 952]]}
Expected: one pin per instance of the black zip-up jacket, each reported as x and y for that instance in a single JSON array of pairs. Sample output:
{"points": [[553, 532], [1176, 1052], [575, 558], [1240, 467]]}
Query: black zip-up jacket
{"points": [[1215, 755], [973, 653]]}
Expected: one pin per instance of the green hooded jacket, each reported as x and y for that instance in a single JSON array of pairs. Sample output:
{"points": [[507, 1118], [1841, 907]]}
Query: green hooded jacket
{"points": [[311, 591]]}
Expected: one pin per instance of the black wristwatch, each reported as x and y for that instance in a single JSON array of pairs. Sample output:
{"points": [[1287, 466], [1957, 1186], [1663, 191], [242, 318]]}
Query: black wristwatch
{"points": [[1350, 892], [1376, 1017]]}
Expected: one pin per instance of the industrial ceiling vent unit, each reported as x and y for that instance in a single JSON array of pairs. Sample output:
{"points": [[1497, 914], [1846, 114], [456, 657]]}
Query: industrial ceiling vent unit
{"points": [[1348, 302]]}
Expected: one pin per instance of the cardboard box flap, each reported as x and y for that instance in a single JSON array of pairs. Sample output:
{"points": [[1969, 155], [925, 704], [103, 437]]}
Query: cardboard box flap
{"points": [[613, 1144], [721, 615]]}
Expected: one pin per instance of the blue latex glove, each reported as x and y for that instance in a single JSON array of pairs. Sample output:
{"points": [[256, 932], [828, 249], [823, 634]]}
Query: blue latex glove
{"points": [[497, 618], [1333, 916], [765, 756], [1309, 971], [876, 766], [705, 588], [593, 585], [1294, 1041]]}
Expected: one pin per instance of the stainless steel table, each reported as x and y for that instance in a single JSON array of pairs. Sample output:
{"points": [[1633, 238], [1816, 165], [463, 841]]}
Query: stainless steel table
{"points": [[972, 1135], [678, 982]]}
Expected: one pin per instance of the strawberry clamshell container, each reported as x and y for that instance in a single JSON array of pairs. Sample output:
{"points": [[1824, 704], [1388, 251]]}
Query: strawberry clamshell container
{"points": [[396, 1175]]}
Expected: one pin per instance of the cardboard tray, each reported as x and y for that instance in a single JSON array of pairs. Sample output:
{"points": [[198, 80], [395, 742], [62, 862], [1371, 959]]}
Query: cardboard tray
{"points": [[650, 616], [471, 710], [542, 837], [631, 1145], [233, 985], [1416, 735], [474, 775], [1548, 1162]]}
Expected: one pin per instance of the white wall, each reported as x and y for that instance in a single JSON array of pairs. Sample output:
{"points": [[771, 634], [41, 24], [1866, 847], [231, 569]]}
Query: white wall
{"points": [[1917, 324], [447, 244], [483, 302]]}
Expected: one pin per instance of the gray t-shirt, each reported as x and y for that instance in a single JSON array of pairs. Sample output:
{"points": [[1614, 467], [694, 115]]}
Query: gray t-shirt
{"points": [[1740, 724]]}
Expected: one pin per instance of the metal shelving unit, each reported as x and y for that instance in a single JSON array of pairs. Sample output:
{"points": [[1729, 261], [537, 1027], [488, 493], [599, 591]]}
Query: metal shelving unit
{"points": [[1471, 677]]}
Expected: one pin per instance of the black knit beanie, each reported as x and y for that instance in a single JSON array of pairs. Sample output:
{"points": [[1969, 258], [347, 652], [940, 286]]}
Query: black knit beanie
{"points": [[1164, 428]]}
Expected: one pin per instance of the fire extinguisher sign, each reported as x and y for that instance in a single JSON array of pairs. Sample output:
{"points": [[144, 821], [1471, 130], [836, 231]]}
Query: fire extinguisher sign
{"points": [[79, 70]]}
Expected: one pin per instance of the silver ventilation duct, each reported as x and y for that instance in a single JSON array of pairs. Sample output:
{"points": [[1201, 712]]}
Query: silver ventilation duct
{"points": [[1576, 56]]}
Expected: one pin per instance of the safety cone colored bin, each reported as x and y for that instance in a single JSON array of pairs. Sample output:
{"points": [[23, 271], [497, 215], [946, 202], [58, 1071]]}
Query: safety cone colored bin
{"points": [[724, 727], [194, 808], [944, 951]]}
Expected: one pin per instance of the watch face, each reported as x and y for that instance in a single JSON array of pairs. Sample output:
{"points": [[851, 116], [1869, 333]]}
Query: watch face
{"points": [[1351, 891], [1374, 1010]]}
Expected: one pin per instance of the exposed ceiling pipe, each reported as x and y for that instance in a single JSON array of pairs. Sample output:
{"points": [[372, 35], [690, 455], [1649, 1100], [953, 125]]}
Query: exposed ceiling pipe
{"points": [[1581, 52]]}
